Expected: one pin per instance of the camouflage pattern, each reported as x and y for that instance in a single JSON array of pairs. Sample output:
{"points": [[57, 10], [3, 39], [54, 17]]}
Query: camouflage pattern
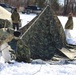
{"points": [[4, 23], [22, 52], [5, 36], [19, 49], [45, 35], [42, 37]]}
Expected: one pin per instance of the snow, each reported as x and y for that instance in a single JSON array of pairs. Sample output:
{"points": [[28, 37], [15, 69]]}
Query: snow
{"points": [[70, 34], [37, 69], [26, 18], [56, 68]]}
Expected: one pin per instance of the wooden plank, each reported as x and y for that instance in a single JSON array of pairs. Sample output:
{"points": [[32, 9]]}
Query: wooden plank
{"points": [[70, 53]]}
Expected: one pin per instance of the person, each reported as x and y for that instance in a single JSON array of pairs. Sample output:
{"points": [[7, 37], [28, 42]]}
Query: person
{"points": [[15, 19], [69, 26], [69, 23]]}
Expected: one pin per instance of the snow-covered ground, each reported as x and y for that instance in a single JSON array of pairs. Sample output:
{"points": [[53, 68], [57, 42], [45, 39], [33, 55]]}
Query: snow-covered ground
{"points": [[70, 34], [26, 18], [37, 69], [57, 68]]}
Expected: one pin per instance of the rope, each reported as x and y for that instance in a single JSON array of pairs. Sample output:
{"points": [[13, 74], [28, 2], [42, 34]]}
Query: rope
{"points": [[28, 30], [33, 22], [38, 70], [4, 48], [24, 43]]}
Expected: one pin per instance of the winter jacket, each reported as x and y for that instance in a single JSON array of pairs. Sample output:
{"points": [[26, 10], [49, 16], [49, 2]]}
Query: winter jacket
{"points": [[15, 17], [69, 24]]}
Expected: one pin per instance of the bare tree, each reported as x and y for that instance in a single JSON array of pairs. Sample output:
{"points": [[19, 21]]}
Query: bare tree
{"points": [[55, 5], [5, 1]]}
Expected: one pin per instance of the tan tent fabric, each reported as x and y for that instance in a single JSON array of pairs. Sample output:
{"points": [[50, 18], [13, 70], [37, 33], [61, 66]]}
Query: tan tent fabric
{"points": [[4, 14]]}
